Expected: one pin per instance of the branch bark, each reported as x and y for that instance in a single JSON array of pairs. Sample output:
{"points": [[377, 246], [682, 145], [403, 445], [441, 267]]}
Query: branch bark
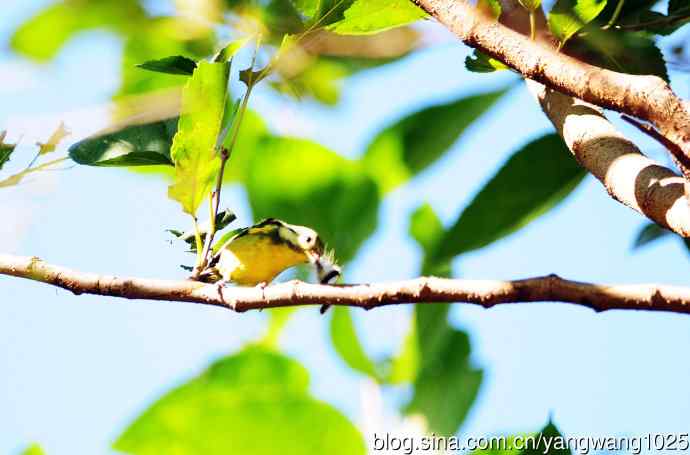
{"points": [[486, 293], [646, 97], [629, 177]]}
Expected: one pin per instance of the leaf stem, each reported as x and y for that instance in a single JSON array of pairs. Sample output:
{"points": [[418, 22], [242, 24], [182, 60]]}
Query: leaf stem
{"points": [[532, 25], [225, 152], [616, 14]]}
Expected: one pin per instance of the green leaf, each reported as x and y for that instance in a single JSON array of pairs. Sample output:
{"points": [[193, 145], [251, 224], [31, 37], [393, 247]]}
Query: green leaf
{"points": [[479, 62], [6, 150], [277, 320], [194, 146], [159, 37], [373, 16], [223, 219], [567, 17], [234, 405], [171, 65], [304, 183], [556, 442], [533, 181], [347, 345], [307, 8], [446, 385], [54, 140], [33, 449], [404, 367], [426, 228], [649, 233], [321, 80], [43, 35], [530, 5], [228, 52], [629, 8], [490, 7], [624, 52], [411, 144], [678, 7], [136, 145]]}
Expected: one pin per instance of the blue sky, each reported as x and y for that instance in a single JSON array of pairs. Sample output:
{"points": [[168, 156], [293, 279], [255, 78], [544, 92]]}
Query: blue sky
{"points": [[75, 370]]}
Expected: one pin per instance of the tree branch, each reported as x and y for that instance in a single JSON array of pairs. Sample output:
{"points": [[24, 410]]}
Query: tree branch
{"points": [[646, 97], [486, 293], [629, 177]]}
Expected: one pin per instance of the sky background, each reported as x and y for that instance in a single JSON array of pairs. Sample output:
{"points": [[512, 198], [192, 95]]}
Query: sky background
{"points": [[75, 370]]}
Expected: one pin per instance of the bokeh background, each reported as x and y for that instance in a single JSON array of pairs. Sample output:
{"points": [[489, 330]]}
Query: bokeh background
{"points": [[75, 371]]}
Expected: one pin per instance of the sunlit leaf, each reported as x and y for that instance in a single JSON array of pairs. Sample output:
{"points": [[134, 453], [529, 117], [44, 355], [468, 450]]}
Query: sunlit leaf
{"points": [[194, 146], [373, 16], [135, 145], [533, 181], [33, 449], [177, 64], [479, 62], [649, 233], [569, 16], [6, 150], [159, 38], [409, 145], [304, 183], [230, 49], [43, 35], [346, 342], [54, 140], [232, 407]]}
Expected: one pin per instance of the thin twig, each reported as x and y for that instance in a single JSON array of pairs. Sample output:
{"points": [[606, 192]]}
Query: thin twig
{"points": [[487, 293]]}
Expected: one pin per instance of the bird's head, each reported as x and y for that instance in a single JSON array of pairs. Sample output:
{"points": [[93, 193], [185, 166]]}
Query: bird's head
{"points": [[308, 241]]}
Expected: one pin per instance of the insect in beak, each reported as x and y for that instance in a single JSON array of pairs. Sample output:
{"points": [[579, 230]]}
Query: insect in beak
{"points": [[313, 257]]}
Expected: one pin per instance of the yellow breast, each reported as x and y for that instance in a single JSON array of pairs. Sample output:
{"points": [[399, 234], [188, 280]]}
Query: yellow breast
{"points": [[253, 259]]}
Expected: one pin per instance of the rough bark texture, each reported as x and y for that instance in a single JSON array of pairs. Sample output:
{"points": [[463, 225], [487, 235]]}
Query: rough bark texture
{"points": [[646, 97], [486, 293]]}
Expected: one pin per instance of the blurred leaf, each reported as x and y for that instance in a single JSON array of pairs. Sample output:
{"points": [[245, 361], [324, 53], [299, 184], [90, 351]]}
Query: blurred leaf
{"points": [[426, 228], [135, 145], [624, 52], [54, 140], [533, 181], [6, 150], [277, 320], [530, 5], [304, 183], [277, 16], [479, 62], [649, 233], [629, 7], [171, 65], [654, 22], [33, 449], [446, 385], [320, 79], [252, 77], [231, 407], [567, 17], [194, 145], [490, 7], [307, 7], [346, 342], [408, 146], [252, 131], [373, 16], [405, 365], [678, 7], [551, 434], [43, 35], [160, 37]]}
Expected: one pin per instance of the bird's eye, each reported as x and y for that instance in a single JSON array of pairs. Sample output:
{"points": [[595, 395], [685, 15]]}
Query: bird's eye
{"points": [[310, 239]]}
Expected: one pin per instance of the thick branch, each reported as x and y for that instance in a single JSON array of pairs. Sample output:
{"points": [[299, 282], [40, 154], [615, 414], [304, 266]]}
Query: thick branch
{"points": [[646, 97], [486, 293], [630, 177]]}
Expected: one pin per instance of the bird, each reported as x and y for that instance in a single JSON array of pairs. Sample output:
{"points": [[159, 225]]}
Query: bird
{"points": [[255, 255]]}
